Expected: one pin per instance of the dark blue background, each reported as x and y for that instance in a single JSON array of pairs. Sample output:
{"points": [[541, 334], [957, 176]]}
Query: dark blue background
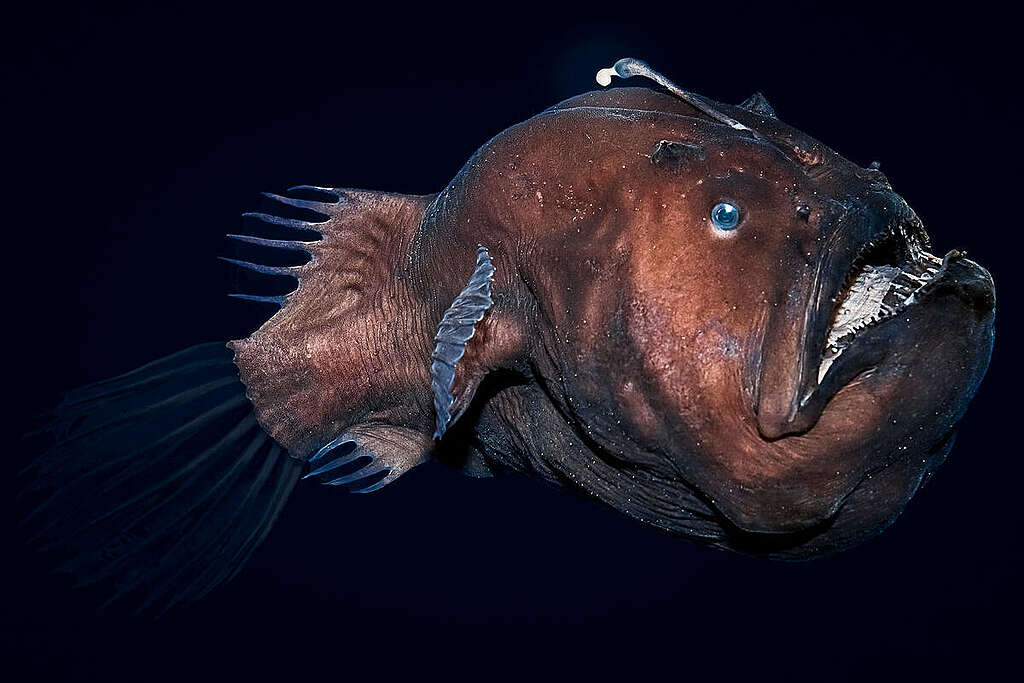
{"points": [[136, 137]]}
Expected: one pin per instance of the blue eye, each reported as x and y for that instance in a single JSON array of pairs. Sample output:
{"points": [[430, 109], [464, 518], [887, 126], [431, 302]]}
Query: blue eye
{"points": [[725, 216]]}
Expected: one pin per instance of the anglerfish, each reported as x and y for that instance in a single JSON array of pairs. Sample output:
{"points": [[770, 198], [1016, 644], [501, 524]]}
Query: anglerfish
{"points": [[687, 310]]}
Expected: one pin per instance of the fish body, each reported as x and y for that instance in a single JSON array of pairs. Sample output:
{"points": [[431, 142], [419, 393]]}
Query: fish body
{"points": [[688, 310]]}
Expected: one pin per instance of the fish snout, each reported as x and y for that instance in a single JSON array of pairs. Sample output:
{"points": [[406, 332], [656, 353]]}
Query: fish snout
{"points": [[967, 281]]}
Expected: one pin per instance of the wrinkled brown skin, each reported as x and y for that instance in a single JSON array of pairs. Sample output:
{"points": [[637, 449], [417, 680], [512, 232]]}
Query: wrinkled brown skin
{"points": [[632, 352]]}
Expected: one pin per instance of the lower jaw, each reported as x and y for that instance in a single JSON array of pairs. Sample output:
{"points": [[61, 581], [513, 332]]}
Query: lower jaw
{"points": [[869, 350], [865, 348]]}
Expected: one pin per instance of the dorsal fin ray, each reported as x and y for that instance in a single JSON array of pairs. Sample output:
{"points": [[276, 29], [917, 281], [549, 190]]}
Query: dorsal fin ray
{"points": [[278, 244], [283, 222], [287, 271], [319, 207], [628, 67]]}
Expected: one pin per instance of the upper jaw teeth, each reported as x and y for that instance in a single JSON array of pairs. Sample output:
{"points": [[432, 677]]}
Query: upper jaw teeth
{"points": [[876, 292]]}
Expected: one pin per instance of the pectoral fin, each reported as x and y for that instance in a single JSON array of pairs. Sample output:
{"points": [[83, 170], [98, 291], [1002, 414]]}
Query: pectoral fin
{"points": [[458, 325]]}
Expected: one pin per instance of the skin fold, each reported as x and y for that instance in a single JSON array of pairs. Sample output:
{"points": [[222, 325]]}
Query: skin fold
{"points": [[633, 352]]}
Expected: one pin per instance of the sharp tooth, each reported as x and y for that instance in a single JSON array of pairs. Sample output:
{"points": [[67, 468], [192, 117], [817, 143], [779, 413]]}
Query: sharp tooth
{"points": [[915, 279]]}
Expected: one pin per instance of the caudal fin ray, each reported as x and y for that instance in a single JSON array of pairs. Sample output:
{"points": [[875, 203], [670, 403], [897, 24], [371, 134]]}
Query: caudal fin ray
{"points": [[118, 454], [138, 495], [159, 484]]}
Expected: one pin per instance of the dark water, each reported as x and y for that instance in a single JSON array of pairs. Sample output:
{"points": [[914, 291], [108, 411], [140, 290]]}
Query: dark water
{"points": [[143, 134]]}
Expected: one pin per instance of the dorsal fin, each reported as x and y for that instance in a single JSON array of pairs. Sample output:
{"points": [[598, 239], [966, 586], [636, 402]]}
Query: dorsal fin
{"points": [[348, 257], [758, 104], [307, 370]]}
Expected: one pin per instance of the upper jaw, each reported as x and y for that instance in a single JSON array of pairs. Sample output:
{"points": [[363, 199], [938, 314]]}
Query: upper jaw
{"points": [[890, 272], [785, 373]]}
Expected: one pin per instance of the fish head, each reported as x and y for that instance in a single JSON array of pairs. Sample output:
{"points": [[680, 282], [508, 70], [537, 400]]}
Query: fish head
{"points": [[728, 305], [809, 351]]}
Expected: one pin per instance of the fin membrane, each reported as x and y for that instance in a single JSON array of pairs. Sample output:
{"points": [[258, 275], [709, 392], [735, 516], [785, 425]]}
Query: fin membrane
{"points": [[159, 484]]}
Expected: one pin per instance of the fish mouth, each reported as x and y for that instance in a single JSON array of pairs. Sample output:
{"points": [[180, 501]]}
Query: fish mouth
{"points": [[890, 276], [892, 272], [925, 339], [895, 354]]}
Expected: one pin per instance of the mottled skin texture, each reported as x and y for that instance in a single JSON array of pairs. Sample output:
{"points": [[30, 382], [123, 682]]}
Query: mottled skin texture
{"points": [[632, 352]]}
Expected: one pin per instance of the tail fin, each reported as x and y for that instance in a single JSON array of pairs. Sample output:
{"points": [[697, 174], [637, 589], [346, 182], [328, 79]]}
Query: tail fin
{"points": [[159, 483]]}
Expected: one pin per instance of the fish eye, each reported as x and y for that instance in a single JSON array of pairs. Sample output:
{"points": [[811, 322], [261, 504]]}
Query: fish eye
{"points": [[725, 216]]}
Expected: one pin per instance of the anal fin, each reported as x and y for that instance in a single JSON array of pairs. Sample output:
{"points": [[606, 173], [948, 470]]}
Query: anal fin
{"points": [[366, 458]]}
